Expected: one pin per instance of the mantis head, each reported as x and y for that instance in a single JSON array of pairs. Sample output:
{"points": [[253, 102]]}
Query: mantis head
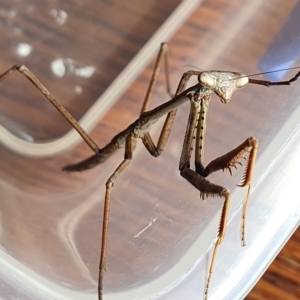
{"points": [[223, 83]]}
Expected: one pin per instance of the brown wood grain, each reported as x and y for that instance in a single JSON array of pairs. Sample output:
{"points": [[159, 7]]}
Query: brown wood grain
{"points": [[281, 281]]}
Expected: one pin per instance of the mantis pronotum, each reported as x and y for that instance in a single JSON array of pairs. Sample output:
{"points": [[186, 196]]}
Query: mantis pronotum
{"points": [[222, 83]]}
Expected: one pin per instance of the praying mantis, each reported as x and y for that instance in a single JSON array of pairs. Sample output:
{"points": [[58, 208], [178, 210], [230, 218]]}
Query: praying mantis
{"points": [[223, 84]]}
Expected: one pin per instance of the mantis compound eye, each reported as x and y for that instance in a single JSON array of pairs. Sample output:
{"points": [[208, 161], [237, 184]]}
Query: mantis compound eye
{"points": [[207, 80], [242, 81]]}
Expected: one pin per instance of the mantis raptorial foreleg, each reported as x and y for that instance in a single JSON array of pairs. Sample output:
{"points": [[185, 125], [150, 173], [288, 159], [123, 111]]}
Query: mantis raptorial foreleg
{"points": [[196, 131], [227, 161]]}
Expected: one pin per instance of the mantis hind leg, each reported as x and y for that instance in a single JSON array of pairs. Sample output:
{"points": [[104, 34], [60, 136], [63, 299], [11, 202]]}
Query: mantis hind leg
{"points": [[129, 146]]}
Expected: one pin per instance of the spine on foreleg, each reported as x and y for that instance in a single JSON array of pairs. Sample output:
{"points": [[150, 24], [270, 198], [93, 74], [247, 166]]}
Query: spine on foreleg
{"points": [[205, 187]]}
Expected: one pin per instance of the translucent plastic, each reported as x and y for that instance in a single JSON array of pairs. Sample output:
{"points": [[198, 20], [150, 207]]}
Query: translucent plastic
{"points": [[160, 230]]}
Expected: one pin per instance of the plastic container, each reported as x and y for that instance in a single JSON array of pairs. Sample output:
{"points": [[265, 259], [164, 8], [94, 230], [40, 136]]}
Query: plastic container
{"points": [[160, 230]]}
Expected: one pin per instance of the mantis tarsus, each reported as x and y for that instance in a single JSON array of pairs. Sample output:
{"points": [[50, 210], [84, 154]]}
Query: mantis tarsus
{"points": [[222, 83]]}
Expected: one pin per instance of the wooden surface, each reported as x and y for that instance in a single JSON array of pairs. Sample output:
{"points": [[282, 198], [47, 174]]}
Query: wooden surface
{"points": [[68, 208], [281, 281], [77, 35]]}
